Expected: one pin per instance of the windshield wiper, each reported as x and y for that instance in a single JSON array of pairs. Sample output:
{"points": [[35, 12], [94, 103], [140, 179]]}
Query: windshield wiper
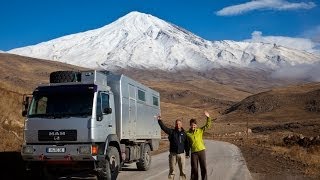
{"points": [[82, 114], [78, 114], [49, 116], [60, 115]]}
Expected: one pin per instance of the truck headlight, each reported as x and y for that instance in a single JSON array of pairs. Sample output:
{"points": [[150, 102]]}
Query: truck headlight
{"points": [[28, 149], [85, 150]]}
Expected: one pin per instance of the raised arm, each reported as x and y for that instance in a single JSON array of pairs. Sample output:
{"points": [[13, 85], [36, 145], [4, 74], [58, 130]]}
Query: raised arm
{"points": [[208, 123], [163, 127]]}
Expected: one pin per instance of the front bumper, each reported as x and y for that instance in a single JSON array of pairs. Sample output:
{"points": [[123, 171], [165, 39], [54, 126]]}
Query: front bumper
{"points": [[56, 153]]}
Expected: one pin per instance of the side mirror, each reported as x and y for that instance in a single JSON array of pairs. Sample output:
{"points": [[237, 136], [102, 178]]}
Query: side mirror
{"points": [[107, 110], [25, 104]]}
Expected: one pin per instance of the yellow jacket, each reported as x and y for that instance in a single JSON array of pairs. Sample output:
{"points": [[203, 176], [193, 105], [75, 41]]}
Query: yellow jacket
{"points": [[195, 137]]}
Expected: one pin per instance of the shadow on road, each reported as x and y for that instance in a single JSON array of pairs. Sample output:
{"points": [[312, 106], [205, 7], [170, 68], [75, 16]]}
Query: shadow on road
{"points": [[126, 167], [11, 166]]}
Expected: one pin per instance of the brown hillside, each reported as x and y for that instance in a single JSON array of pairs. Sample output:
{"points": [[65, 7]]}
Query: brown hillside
{"points": [[293, 103], [274, 117], [281, 112], [23, 73]]}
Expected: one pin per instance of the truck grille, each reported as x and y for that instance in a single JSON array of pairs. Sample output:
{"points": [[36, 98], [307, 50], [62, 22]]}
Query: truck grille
{"points": [[54, 135]]}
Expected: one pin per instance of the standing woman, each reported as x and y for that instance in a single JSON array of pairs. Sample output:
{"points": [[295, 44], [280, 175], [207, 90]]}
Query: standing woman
{"points": [[198, 153]]}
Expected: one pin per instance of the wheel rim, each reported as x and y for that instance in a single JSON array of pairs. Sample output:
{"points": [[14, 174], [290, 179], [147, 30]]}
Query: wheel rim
{"points": [[113, 164], [147, 158]]}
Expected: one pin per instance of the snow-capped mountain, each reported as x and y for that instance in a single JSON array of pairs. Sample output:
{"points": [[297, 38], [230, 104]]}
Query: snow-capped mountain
{"points": [[140, 40]]}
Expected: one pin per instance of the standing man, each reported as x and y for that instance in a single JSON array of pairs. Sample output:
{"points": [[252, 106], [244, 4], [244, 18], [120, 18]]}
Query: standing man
{"points": [[198, 153], [179, 148]]}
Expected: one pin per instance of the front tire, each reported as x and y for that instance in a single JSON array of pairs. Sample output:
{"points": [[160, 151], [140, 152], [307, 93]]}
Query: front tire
{"points": [[114, 161], [111, 166], [145, 161], [104, 173], [38, 171]]}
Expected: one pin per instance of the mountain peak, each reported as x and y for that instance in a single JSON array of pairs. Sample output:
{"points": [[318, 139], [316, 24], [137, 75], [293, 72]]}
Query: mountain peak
{"points": [[135, 14], [139, 21]]}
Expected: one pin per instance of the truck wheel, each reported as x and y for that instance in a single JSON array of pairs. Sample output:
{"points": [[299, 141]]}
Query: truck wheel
{"points": [[37, 172], [105, 173], [114, 161], [34, 174], [65, 76], [145, 161]]}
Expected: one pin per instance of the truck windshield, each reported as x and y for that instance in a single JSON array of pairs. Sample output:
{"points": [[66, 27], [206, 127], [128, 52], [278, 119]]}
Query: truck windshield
{"points": [[66, 101]]}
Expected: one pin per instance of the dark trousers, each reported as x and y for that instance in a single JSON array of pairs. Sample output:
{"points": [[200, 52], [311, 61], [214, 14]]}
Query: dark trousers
{"points": [[198, 158]]}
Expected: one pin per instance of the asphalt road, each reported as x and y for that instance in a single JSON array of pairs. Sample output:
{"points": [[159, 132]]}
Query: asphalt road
{"points": [[224, 162]]}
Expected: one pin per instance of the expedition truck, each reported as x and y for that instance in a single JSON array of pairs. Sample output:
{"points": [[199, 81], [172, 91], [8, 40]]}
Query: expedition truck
{"points": [[89, 121]]}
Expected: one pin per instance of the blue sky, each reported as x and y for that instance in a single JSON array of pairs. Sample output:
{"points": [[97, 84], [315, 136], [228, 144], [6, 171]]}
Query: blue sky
{"points": [[30, 22]]}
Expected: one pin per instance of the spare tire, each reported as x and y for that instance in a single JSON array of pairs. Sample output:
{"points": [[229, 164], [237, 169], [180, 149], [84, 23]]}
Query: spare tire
{"points": [[65, 76]]}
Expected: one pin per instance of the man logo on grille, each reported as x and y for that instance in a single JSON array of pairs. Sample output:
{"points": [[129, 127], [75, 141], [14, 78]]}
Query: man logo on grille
{"points": [[57, 133]]}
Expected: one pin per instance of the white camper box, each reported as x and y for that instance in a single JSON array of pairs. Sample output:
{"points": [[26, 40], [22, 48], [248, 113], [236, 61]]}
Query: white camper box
{"points": [[135, 108]]}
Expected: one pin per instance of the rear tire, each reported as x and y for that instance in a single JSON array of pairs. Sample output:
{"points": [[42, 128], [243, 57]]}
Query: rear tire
{"points": [[145, 161]]}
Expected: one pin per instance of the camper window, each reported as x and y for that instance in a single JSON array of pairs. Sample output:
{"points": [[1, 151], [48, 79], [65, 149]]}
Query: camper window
{"points": [[141, 95], [155, 101]]}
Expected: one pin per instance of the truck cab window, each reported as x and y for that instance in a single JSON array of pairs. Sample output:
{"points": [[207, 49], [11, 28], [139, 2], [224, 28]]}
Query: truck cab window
{"points": [[59, 102], [102, 102], [39, 106]]}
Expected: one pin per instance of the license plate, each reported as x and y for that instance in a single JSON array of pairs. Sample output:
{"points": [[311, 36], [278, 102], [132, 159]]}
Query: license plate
{"points": [[56, 150]]}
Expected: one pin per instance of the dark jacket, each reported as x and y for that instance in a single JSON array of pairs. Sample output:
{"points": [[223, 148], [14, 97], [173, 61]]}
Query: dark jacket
{"points": [[178, 139]]}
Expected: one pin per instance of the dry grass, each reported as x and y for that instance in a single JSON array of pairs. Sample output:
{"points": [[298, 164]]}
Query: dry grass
{"points": [[203, 87], [307, 156], [305, 159], [9, 141], [10, 106]]}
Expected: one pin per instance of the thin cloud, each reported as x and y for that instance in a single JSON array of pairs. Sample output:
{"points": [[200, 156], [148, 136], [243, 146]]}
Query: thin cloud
{"points": [[309, 72], [280, 5], [303, 44], [313, 34]]}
